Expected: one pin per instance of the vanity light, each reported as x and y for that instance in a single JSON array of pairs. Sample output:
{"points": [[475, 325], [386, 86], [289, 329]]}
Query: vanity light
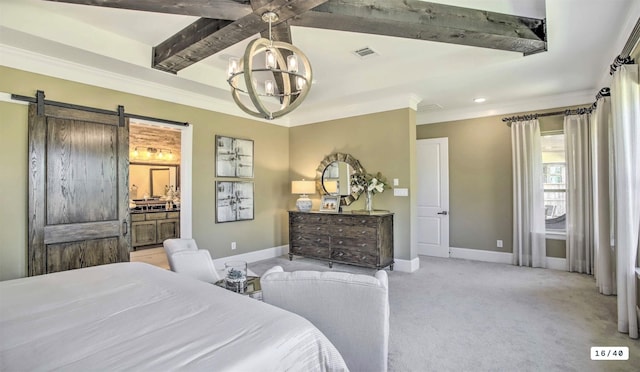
{"points": [[135, 152], [303, 188], [160, 154]]}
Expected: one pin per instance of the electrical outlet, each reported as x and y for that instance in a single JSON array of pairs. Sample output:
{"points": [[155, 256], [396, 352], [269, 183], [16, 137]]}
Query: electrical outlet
{"points": [[233, 245], [499, 243]]}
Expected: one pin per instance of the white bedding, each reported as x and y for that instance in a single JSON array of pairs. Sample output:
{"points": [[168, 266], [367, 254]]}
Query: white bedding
{"points": [[134, 316]]}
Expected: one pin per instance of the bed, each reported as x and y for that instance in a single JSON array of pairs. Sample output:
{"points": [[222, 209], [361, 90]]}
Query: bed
{"points": [[134, 316]]}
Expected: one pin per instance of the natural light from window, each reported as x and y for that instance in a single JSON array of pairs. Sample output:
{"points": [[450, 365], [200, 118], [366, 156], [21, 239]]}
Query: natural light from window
{"points": [[555, 177]]}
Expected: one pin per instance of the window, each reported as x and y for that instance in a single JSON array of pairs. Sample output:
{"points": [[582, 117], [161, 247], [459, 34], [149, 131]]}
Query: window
{"points": [[554, 171]]}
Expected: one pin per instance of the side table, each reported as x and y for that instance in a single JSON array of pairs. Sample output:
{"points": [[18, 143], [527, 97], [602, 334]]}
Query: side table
{"points": [[253, 287]]}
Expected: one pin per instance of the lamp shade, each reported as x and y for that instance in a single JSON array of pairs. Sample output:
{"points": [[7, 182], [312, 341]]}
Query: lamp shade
{"points": [[303, 187]]}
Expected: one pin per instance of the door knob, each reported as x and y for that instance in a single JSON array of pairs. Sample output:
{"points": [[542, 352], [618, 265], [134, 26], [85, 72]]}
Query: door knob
{"points": [[444, 213]]}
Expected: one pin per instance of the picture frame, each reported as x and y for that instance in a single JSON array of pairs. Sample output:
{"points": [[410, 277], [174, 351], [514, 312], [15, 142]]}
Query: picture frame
{"points": [[234, 157], [330, 203], [234, 201]]}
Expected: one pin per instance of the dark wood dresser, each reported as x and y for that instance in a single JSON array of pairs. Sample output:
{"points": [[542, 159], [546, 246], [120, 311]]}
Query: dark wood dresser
{"points": [[348, 237]]}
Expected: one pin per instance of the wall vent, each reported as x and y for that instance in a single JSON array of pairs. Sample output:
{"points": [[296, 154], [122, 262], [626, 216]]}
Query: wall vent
{"points": [[365, 52]]}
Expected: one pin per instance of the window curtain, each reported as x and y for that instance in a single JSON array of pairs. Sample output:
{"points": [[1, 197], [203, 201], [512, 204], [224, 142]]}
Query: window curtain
{"points": [[528, 195], [625, 108], [579, 197], [605, 259]]}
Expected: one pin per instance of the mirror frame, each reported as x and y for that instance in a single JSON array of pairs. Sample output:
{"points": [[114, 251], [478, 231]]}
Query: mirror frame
{"points": [[355, 168], [159, 166]]}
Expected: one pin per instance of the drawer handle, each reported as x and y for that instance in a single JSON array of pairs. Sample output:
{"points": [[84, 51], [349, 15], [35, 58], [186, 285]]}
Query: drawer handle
{"points": [[341, 254], [318, 240], [339, 230], [364, 232], [318, 228], [340, 242], [363, 221], [363, 244], [339, 219]]}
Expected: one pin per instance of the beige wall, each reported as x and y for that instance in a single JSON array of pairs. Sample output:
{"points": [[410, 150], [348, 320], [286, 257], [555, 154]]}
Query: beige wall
{"points": [[480, 181], [271, 176], [382, 142]]}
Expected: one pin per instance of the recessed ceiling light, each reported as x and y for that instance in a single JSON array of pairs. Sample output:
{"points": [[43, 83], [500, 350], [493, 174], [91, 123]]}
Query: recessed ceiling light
{"points": [[479, 100]]}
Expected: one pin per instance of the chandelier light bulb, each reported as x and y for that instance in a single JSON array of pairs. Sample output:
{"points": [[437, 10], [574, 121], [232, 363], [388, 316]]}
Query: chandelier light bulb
{"points": [[300, 83], [270, 59], [269, 87], [234, 65], [292, 63]]}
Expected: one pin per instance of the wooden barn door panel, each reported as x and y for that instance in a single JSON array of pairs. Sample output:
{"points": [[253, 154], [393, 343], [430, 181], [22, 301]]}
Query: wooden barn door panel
{"points": [[78, 198]]}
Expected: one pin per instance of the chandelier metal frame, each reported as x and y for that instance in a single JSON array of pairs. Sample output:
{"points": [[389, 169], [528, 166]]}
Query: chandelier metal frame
{"points": [[290, 99]]}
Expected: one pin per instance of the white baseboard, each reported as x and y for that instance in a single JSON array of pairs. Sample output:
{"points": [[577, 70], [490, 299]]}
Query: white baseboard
{"points": [[406, 266], [260, 255], [433, 251], [481, 255], [554, 263]]}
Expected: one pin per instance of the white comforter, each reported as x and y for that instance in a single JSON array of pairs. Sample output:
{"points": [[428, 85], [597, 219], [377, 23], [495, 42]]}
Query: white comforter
{"points": [[134, 316]]}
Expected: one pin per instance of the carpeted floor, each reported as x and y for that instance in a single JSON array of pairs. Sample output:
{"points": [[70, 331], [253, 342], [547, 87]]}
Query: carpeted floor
{"points": [[459, 315]]}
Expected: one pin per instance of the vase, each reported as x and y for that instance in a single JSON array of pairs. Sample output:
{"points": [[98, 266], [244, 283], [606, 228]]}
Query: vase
{"points": [[369, 202], [236, 276]]}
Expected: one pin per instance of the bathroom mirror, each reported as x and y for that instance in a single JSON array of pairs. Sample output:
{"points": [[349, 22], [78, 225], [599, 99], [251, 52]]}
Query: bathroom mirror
{"points": [[334, 174], [151, 179]]}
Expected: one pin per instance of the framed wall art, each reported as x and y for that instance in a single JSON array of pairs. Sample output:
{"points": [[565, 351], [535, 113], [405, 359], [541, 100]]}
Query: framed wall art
{"points": [[234, 201], [234, 157]]}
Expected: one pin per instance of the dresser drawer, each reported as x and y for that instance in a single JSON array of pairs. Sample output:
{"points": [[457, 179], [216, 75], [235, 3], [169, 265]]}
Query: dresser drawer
{"points": [[356, 221], [364, 245], [355, 256], [353, 231], [310, 229], [311, 219], [310, 240], [309, 250]]}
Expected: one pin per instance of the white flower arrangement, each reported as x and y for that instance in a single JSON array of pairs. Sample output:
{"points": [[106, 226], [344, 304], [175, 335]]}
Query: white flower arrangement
{"points": [[369, 182]]}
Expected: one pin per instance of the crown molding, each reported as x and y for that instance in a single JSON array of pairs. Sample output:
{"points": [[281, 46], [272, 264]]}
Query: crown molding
{"points": [[542, 103]]}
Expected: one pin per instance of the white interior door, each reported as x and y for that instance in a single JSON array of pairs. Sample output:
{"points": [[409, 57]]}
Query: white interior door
{"points": [[433, 197]]}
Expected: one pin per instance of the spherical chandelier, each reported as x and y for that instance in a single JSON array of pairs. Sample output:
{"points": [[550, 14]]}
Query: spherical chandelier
{"points": [[277, 85]]}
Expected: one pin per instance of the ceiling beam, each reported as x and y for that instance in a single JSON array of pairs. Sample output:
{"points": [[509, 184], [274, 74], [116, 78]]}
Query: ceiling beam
{"points": [[219, 9], [431, 22], [411, 19], [176, 54]]}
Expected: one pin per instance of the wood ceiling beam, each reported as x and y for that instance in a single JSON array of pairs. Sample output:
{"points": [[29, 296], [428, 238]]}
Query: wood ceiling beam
{"points": [[412, 19], [431, 22], [218, 9], [205, 38]]}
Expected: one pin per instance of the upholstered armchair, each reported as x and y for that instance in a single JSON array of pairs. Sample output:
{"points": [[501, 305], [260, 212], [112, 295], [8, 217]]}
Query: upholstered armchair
{"points": [[185, 258], [351, 310]]}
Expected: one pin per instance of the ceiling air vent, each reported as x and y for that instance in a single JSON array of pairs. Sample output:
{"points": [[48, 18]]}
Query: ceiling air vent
{"points": [[365, 52], [429, 106]]}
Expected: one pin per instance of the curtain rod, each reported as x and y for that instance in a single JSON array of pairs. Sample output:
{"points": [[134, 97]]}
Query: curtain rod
{"points": [[623, 59], [39, 100], [625, 56]]}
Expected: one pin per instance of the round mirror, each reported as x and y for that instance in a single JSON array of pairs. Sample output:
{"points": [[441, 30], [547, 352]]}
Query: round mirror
{"points": [[334, 176]]}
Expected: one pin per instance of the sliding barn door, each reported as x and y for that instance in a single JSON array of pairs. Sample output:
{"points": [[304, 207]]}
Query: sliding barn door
{"points": [[78, 189]]}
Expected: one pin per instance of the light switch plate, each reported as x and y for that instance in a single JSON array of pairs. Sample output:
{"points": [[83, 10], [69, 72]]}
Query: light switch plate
{"points": [[396, 182], [401, 192]]}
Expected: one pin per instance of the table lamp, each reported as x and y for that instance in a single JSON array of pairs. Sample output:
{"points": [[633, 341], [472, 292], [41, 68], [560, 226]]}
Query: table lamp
{"points": [[303, 188]]}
